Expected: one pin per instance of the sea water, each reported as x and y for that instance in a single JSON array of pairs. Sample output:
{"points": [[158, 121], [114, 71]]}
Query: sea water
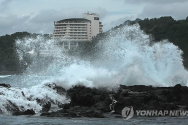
{"points": [[36, 120]]}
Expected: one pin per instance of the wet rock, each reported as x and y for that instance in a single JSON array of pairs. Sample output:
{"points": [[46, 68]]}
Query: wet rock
{"points": [[102, 106], [11, 107], [76, 111], [46, 107], [177, 92], [177, 89], [46, 114], [23, 94], [94, 102], [141, 88], [60, 90], [85, 96], [97, 98], [30, 97], [27, 112], [5, 85], [66, 106]]}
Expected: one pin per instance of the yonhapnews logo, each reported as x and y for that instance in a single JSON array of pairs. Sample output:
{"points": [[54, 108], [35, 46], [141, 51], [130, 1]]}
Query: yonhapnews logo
{"points": [[128, 113]]}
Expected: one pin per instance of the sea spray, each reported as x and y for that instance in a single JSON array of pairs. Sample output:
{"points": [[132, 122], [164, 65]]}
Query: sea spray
{"points": [[134, 56], [127, 56], [41, 55], [20, 99]]}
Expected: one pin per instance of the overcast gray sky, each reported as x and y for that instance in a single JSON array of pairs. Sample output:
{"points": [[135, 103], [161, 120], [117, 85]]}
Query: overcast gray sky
{"points": [[37, 16]]}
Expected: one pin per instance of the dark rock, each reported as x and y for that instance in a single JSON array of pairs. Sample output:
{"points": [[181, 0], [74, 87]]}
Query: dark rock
{"points": [[177, 89], [177, 92], [97, 98], [5, 85], [102, 106], [23, 94], [10, 106], [27, 112], [85, 96], [30, 97], [46, 107], [60, 90], [94, 102], [38, 100], [166, 106], [45, 114], [76, 111], [141, 88], [66, 106]]}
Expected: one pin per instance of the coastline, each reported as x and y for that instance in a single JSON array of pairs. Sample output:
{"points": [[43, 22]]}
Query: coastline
{"points": [[92, 102], [107, 103]]}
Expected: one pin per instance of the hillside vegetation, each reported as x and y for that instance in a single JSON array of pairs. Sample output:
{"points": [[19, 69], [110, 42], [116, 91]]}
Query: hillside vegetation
{"points": [[9, 59], [176, 31]]}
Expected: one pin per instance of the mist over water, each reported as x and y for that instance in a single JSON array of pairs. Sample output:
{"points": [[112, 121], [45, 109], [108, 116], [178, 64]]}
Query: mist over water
{"points": [[126, 56], [137, 60]]}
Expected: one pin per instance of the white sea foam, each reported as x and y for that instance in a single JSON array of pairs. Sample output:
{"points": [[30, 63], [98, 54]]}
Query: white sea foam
{"points": [[127, 56], [4, 76], [25, 98]]}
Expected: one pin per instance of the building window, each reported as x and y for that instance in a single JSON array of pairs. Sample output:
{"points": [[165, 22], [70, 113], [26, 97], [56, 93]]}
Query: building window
{"points": [[65, 43], [66, 47], [96, 18]]}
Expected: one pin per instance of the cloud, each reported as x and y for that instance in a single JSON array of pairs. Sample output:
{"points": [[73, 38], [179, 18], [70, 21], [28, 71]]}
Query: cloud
{"points": [[176, 10], [101, 11], [157, 8], [55, 15], [42, 21], [30, 16], [117, 22], [154, 1], [4, 5], [12, 23], [34, 23]]}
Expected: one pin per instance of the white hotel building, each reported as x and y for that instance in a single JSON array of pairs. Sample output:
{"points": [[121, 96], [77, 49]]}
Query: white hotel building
{"points": [[74, 30]]}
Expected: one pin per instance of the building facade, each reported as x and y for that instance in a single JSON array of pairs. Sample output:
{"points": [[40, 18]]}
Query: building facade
{"points": [[74, 30]]}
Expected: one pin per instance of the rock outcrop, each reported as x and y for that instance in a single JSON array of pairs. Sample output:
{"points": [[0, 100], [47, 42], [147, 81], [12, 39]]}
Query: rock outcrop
{"points": [[92, 102], [97, 102]]}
